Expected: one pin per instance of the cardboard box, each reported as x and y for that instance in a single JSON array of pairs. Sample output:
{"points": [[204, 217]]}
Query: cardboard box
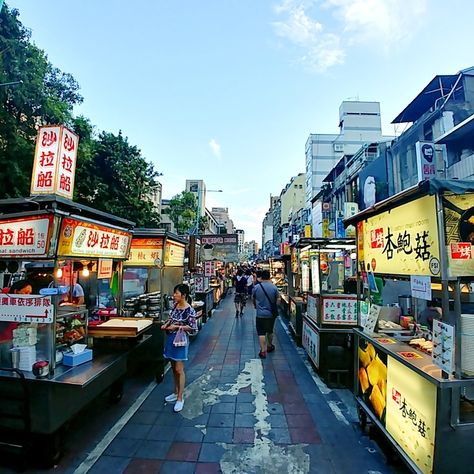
{"points": [[71, 360]]}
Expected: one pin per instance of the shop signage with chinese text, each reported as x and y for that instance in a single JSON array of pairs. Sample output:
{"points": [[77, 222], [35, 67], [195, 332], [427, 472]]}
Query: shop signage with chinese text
{"points": [[105, 268], [459, 233], [420, 287], [310, 341], [144, 252], [219, 246], [404, 240], [26, 309], [84, 239], [29, 236], [174, 254], [426, 160], [411, 418], [54, 165], [339, 310]]}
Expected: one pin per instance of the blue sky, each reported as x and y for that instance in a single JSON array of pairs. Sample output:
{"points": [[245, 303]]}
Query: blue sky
{"points": [[229, 90]]}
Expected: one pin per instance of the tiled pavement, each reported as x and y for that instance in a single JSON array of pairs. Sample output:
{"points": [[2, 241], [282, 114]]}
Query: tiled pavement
{"points": [[242, 415]]}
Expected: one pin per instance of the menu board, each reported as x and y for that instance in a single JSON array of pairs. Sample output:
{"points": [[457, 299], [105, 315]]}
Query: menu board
{"points": [[341, 310], [305, 276], [411, 418], [315, 283], [312, 308], [443, 346]]}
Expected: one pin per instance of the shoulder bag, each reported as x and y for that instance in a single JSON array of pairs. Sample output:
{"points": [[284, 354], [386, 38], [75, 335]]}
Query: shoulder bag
{"points": [[274, 307]]}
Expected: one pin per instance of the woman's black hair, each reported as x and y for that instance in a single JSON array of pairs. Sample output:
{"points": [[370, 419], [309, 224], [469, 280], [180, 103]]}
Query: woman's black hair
{"points": [[19, 285], [184, 290]]}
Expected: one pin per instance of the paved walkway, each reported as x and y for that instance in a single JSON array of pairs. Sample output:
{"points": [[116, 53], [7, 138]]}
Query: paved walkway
{"points": [[241, 414]]}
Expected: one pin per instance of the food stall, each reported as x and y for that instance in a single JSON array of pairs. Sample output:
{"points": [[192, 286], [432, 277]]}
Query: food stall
{"points": [[149, 278], [412, 381], [77, 245], [325, 267]]}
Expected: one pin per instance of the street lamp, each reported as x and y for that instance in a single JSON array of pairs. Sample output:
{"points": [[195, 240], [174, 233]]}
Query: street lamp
{"points": [[198, 216]]}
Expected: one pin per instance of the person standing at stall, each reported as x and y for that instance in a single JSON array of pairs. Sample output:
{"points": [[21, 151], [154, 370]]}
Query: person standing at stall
{"points": [[266, 299], [22, 287], [182, 319]]}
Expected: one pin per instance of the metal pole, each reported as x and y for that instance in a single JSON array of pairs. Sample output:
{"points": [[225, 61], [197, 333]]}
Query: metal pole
{"points": [[198, 216]]}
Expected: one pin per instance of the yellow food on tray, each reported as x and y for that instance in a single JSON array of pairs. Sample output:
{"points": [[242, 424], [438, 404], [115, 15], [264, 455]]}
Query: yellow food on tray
{"points": [[371, 351], [363, 380], [377, 400], [364, 358], [377, 371]]}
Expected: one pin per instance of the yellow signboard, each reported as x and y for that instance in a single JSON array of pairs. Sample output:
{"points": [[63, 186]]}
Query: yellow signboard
{"points": [[174, 254], [85, 239], [411, 413], [404, 240], [459, 232]]}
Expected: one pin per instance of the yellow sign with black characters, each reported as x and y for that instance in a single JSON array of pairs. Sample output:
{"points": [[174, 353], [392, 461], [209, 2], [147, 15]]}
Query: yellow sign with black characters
{"points": [[411, 413], [403, 240]]}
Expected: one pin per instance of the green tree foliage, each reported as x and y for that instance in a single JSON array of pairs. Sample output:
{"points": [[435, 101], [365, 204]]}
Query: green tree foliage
{"points": [[182, 212], [45, 95], [114, 177]]}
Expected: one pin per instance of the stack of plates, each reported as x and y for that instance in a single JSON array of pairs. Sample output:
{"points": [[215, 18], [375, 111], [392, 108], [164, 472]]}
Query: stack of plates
{"points": [[27, 357], [467, 344]]}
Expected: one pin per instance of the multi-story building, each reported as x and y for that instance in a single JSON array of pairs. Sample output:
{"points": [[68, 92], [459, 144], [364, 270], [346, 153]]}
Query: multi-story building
{"points": [[250, 250], [221, 214], [267, 230], [446, 102], [359, 123]]}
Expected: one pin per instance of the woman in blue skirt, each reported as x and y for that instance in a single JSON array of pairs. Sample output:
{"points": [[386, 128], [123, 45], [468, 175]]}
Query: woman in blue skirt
{"points": [[182, 316]]}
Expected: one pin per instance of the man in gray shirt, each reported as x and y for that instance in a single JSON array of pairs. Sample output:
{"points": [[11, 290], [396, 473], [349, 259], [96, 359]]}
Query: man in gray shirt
{"points": [[266, 299]]}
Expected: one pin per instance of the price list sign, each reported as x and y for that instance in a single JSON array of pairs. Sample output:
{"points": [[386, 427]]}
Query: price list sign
{"points": [[340, 310]]}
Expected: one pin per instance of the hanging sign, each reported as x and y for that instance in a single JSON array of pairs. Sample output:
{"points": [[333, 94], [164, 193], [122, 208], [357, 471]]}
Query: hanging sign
{"points": [[404, 240], [209, 269], [54, 165], [425, 160], [84, 239], [105, 268], [26, 309], [420, 287], [29, 236]]}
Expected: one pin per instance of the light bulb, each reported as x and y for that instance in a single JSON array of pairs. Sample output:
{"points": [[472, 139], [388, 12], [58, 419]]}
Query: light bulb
{"points": [[85, 272], [59, 272]]}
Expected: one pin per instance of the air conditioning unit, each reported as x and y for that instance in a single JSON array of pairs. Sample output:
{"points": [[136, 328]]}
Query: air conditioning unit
{"points": [[338, 147]]}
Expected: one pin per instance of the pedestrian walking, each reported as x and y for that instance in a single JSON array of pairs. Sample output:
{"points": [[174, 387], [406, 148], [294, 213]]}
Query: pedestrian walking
{"points": [[266, 299], [181, 324], [240, 283], [249, 277]]}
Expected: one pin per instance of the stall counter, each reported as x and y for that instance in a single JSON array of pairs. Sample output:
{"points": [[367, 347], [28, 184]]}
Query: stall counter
{"points": [[400, 390]]}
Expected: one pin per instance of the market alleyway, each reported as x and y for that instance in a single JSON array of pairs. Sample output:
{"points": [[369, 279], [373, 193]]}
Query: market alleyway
{"points": [[241, 415]]}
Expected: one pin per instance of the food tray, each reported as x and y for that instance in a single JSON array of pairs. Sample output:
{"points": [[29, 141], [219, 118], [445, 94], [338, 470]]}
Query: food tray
{"points": [[120, 327]]}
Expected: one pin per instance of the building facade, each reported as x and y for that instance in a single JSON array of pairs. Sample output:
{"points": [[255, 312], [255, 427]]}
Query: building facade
{"points": [[359, 123]]}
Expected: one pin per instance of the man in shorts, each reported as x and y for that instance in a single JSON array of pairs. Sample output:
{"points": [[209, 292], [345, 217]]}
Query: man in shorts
{"points": [[266, 299]]}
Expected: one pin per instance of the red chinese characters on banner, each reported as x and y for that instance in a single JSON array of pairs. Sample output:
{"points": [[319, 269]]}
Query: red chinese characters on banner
{"points": [[461, 251], [67, 163], [55, 162], [44, 170], [376, 238]]}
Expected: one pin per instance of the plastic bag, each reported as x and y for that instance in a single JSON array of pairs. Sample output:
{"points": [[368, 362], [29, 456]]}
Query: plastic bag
{"points": [[181, 339]]}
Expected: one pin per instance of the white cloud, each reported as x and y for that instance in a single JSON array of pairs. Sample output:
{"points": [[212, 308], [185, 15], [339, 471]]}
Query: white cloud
{"points": [[215, 148], [372, 23], [378, 22]]}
